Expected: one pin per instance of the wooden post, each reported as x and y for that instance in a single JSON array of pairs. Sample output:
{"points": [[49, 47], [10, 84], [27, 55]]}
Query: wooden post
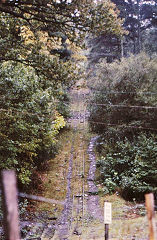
{"points": [[106, 231], [10, 205], [149, 200]]}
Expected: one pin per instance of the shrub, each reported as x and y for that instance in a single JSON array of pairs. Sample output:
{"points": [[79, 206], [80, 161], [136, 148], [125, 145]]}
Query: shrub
{"points": [[117, 87], [123, 112], [130, 166], [29, 121]]}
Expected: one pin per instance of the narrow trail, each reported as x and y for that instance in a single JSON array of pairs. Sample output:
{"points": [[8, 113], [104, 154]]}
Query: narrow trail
{"points": [[81, 207]]}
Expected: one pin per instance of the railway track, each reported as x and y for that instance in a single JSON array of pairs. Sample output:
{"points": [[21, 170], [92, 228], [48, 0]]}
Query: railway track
{"points": [[72, 216], [75, 214]]}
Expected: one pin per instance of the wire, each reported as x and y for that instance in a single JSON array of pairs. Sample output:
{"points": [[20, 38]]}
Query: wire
{"points": [[122, 92], [123, 106], [38, 198], [122, 126], [112, 105], [41, 199]]}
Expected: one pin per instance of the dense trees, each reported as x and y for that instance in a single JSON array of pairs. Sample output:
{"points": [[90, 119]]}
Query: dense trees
{"points": [[123, 111], [139, 21], [123, 108], [36, 72], [123, 86], [27, 134], [54, 19], [139, 16]]}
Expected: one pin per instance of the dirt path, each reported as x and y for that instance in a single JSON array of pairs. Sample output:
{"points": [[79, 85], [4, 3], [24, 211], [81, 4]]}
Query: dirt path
{"points": [[81, 205]]}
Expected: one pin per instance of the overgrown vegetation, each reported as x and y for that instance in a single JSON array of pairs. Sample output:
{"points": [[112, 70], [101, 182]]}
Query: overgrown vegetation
{"points": [[29, 121], [37, 67], [130, 166], [123, 111]]}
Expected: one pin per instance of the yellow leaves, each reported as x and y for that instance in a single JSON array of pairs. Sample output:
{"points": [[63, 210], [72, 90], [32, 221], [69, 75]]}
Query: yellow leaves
{"points": [[41, 38], [42, 35], [29, 147], [3, 135], [27, 35], [55, 42], [79, 57], [106, 19], [112, 12], [59, 122], [48, 43]]}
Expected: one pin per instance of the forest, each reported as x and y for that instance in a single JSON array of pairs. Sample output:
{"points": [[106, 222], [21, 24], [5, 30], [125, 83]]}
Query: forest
{"points": [[38, 67], [123, 106], [78, 109], [37, 70], [46, 46]]}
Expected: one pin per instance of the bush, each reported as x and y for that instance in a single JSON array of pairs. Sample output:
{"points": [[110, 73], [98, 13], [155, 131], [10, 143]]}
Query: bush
{"points": [[117, 87], [63, 104], [130, 166], [123, 112], [29, 121]]}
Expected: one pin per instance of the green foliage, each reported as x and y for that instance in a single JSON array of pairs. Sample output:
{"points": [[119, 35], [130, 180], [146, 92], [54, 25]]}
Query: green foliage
{"points": [[27, 110], [149, 38], [33, 78], [62, 105], [123, 111], [122, 95], [22, 27], [130, 166]]}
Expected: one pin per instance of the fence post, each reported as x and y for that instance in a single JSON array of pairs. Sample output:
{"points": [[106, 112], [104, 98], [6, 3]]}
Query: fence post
{"points": [[106, 231], [149, 199], [10, 205]]}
